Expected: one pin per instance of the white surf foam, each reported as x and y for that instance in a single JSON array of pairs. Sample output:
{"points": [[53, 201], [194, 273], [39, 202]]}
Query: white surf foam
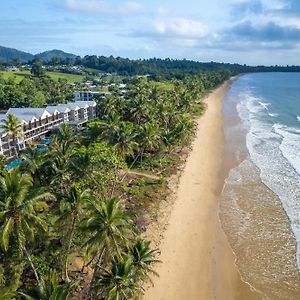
{"points": [[275, 151], [298, 118], [273, 115], [264, 105], [290, 146]]}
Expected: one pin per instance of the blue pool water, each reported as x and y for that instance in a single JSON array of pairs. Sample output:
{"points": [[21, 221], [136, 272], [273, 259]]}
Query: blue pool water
{"points": [[47, 140], [40, 148], [13, 164]]}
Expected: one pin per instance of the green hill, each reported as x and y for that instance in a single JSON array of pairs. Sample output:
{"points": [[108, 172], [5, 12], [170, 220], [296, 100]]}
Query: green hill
{"points": [[10, 54], [48, 55]]}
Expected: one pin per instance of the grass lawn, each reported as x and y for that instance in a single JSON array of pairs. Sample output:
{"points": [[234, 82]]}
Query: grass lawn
{"points": [[71, 78], [18, 76], [168, 86]]}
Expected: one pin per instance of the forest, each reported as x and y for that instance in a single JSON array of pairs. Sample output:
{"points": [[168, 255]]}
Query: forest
{"points": [[72, 218], [164, 69], [33, 91]]}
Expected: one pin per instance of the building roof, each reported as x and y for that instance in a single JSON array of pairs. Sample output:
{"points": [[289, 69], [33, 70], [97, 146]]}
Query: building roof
{"points": [[82, 104], [86, 104], [62, 108], [52, 109], [72, 106], [87, 92], [28, 114]]}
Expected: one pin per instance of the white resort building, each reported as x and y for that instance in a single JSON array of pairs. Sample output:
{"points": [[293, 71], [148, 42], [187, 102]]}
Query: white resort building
{"points": [[37, 122], [87, 95]]}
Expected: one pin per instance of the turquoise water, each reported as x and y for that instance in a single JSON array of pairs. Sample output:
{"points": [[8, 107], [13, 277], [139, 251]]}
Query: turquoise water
{"points": [[260, 204], [40, 148], [47, 140], [13, 164]]}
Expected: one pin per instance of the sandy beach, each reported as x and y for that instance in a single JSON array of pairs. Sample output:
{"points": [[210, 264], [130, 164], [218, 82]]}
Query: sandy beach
{"points": [[197, 261]]}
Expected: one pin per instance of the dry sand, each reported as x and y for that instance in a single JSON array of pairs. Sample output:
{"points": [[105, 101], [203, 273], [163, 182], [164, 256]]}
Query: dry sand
{"points": [[197, 261]]}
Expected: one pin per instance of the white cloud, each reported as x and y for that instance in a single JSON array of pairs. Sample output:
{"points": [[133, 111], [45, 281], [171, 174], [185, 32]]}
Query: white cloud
{"points": [[99, 6], [162, 11], [181, 28]]}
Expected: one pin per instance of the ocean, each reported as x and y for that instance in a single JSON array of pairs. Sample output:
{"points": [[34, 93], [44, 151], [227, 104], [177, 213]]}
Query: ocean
{"points": [[260, 202]]}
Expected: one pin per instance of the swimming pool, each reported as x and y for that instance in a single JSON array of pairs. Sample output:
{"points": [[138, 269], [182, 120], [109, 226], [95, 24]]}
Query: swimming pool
{"points": [[13, 164]]}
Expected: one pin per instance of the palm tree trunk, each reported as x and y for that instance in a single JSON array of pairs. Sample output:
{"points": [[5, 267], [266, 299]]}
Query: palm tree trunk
{"points": [[141, 160], [116, 176], [132, 164], [69, 248], [15, 142], [32, 266], [99, 259]]}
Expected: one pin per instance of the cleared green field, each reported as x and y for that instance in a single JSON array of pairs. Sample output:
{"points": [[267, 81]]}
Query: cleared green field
{"points": [[168, 86], [18, 76], [71, 78]]}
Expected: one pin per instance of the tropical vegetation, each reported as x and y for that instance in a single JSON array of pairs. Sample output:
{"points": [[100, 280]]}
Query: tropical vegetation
{"points": [[72, 219]]}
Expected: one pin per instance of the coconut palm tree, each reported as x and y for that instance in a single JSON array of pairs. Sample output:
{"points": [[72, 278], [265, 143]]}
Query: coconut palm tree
{"points": [[12, 126], [119, 283], [143, 258], [123, 138], [60, 156], [71, 208], [51, 289], [18, 217], [149, 138], [108, 229], [33, 162], [66, 138]]}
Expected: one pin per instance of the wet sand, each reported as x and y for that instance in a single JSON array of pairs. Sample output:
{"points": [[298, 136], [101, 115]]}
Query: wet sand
{"points": [[254, 220], [197, 261]]}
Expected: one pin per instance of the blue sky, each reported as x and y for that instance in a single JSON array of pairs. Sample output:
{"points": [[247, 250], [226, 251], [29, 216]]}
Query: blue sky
{"points": [[243, 31]]}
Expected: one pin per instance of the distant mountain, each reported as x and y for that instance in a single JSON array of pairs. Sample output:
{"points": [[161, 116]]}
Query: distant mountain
{"points": [[9, 54], [48, 55]]}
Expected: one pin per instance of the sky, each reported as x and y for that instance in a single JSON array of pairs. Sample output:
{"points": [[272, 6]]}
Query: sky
{"points": [[253, 32]]}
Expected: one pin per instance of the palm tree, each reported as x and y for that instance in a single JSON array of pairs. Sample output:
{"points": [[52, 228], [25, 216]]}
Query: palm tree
{"points": [[149, 139], [61, 156], [12, 126], [66, 138], [33, 162], [119, 283], [71, 207], [50, 289], [143, 257], [123, 138], [18, 216], [108, 228], [179, 130]]}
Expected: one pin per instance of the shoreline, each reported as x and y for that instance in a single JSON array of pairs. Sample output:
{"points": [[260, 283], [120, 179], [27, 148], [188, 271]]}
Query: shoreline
{"points": [[266, 232], [197, 261]]}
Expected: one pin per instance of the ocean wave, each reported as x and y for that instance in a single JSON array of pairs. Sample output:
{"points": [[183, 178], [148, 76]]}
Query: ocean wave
{"points": [[273, 115], [290, 145], [264, 105], [274, 149], [298, 118]]}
